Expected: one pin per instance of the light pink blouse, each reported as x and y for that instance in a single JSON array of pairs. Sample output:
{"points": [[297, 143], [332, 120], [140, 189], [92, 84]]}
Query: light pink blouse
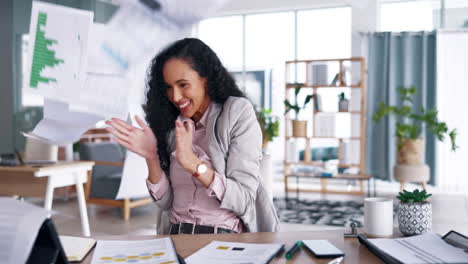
{"points": [[193, 202]]}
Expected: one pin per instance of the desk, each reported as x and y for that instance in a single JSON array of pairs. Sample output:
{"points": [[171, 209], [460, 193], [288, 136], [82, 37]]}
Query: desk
{"points": [[188, 244], [35, 181]]}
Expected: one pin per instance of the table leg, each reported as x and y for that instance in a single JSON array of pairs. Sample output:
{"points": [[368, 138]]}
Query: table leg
{"points": [[49, 197], [83, 211]]}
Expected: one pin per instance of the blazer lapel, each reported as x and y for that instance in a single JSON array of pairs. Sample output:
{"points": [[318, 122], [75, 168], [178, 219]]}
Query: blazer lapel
{"points": [[215, 145]]}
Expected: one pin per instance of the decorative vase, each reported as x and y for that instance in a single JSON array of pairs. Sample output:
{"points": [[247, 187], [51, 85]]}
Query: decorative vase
{"points": [[411, 152], [414, 218], [343, 105], [410, 165], [299, 128]]}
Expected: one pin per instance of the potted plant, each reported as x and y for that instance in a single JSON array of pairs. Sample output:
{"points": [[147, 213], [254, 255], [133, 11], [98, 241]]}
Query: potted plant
{"points": [[299, 126], [414, 212], [410, 165], [343, 103], [269, 125], [409, 127]]}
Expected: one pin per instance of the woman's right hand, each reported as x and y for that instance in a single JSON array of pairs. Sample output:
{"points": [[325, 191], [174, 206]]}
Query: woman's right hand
{"points": [[141, 141]]}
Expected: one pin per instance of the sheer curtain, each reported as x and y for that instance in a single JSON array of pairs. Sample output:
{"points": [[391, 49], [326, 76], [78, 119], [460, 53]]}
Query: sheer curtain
{"points": [[452, 97]]}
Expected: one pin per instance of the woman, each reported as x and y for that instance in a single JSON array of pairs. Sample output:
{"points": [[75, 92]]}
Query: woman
{"points": [[202, 146]]}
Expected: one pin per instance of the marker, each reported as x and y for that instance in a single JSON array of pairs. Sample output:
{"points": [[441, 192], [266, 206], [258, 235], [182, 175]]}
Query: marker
{"points": [[293, 250]]}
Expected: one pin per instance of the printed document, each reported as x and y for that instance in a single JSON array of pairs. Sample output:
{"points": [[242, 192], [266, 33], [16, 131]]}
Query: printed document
{"points": [[160, 250], [58, 50], [231, 252], [60, 126], [104, 94]]}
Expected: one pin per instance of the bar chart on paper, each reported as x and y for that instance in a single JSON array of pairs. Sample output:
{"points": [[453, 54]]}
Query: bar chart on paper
{"points": [[57, 55], [43, 56]]}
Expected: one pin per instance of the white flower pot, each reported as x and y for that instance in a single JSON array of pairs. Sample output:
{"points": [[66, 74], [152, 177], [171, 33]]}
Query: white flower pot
{"points": [[414, 218]]}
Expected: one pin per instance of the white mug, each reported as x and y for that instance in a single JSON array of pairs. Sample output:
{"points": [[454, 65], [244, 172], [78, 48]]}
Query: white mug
{"points": [[378, 216]]}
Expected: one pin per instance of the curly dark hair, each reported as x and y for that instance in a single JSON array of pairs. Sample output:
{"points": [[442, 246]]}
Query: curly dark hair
{"points": [[160, 112]]}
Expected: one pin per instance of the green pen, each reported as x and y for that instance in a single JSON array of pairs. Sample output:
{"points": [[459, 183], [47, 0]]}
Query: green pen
{"points": [[290, 254]]}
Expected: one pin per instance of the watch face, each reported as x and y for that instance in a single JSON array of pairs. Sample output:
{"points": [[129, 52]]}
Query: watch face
{"points": [[202, 168]]}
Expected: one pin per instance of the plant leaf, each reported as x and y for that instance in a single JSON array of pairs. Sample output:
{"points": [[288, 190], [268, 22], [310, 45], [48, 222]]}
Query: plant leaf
{"points": [[307, 100]]}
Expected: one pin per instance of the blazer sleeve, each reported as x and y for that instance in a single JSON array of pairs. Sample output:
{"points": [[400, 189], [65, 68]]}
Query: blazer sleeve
{"points": [[243, 158]]}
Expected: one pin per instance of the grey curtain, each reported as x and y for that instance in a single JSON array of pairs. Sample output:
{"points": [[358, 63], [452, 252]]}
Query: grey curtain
{"points": [[396, 60]]}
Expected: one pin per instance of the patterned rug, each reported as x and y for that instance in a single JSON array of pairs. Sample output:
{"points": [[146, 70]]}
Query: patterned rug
{"points": [[320, 212]]}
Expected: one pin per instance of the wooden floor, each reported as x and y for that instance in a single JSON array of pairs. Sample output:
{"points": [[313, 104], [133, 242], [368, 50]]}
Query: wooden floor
{"points": [[450, 212]]}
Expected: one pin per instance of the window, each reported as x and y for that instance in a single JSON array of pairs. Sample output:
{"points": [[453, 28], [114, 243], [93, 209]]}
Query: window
{"points": [[225, 36], [324, 33], [456, 14], [410, 16], [270, 41]]}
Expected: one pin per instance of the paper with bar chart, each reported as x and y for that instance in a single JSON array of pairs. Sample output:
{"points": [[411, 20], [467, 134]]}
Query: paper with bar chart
{"points": [[158, 251], [57, 58]]}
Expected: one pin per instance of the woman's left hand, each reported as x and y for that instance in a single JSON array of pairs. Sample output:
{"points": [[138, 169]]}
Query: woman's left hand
{"points": [[184, 143]]}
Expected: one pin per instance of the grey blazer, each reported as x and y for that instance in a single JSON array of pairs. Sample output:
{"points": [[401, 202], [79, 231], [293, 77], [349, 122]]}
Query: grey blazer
{"points": [[235, 151]]}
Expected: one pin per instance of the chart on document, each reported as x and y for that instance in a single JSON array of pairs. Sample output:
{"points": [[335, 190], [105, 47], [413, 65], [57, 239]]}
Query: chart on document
{"points": [[57, 55]]}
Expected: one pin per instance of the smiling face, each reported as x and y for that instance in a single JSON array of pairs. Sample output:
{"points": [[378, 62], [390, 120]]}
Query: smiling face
{"points": [[187, 90]]}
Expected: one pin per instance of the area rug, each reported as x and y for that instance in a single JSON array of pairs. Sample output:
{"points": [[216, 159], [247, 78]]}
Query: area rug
{"points": [[320, 212]]}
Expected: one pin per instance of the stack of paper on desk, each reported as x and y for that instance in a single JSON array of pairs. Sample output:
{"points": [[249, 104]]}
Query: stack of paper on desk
{"points": [[232, 252]]}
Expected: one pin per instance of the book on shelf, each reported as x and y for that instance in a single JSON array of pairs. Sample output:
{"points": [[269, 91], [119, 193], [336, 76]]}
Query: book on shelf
{"points": [[355, 125], [355, 100], [324, 125], [335, 80], [292, 151], [345, 76], [350, 152], [317, 102], [317, 74]]}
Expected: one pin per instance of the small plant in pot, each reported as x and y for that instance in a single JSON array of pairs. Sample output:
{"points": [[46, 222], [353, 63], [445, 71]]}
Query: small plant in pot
{"points": [[299, 126], [414, 212], [269, 125]]}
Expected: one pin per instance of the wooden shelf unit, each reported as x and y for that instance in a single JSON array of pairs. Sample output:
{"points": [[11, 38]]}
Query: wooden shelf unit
{"points": [[289, 165]]}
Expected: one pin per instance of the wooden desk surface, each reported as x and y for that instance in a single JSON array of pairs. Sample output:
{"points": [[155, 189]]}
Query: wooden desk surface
{"points": [[188, 244], [31, 180], [44, 167]]}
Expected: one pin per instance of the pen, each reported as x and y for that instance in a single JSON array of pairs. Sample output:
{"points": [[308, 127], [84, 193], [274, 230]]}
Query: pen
{"points": [[336, 261], [293, 250]]}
